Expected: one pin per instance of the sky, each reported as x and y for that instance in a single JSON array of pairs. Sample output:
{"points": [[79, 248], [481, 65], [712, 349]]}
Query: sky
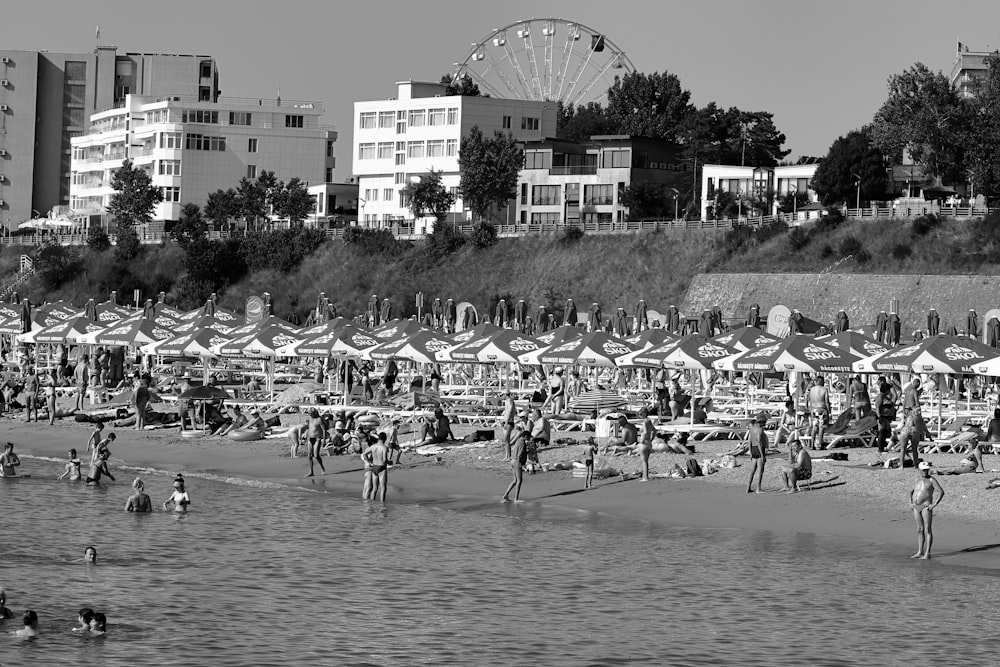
{"points": [[820, 67]]}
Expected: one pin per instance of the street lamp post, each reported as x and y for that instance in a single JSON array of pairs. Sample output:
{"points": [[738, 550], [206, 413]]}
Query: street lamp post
{"points": [[675, 194], [795, 201], [857, 198]]}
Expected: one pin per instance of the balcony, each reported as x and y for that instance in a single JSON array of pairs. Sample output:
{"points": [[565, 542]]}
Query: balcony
{"points": [[579, 170], [546, 201], [597, 201]]}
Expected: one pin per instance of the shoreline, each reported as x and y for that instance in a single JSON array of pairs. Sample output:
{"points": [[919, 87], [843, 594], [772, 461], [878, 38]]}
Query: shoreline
{"points": [[854, 502]]}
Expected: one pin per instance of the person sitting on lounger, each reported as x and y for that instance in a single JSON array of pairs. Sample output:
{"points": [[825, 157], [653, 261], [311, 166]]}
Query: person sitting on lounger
{"points": [[787, 423], [627, 443], [436, 430], [971, 462], [799, 467]]}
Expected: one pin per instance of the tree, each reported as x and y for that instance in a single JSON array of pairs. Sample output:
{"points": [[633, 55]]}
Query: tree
{"points": [[490, 168], [135, 196], [292, 200], [850, 157], [464, 86], [221, 207], [191, 228], [982, 130], [97, 238], [127, 245], [792, 201], [251, 202], [580, 123], [427, 195], [648, 200], [649, 105], [923, 115]]}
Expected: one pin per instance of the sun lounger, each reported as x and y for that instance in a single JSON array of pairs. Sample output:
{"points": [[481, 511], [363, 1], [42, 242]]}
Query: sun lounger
{"points": [[951, 445], [703, 431], [863, 433]]}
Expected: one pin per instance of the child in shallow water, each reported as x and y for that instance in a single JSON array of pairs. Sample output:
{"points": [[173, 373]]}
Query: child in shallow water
{"points": [[98, 624], [84, 618], [72, 467]]}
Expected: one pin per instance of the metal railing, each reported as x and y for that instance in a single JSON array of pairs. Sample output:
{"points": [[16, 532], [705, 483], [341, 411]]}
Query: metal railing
{"points": [[580, 170]]}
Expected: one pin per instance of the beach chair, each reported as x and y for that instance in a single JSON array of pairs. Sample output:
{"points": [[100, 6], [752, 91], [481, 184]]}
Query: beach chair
{"points": [[863, 433], [952, 445]]}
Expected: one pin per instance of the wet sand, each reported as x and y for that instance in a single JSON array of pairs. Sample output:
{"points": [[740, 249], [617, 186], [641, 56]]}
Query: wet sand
{"points": [[850, 500]]}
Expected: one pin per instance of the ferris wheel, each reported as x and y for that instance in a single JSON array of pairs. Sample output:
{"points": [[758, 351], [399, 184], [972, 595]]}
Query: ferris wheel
{"points": [[545, 59]]}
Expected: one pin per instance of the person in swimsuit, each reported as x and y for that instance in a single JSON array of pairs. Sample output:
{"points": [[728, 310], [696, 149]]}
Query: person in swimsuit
{"points": [[72, 468], [645, 444], [993, 428], [30, 625], [9, 461], [84, 620], [818, 402], [589, 450], [95, 438], [799, 467], [923, 502], [436, 430], [519, 457], [31, 394], [377, 474], [627, 443], [316, 433], [509, 415], [179, 497], [138, 501], [788, 423], [861, 402], [758, 452], [5, 613], [98, 624]]}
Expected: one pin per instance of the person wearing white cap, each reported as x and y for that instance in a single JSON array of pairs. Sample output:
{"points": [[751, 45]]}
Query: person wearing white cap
{"points": [[924, 497]]}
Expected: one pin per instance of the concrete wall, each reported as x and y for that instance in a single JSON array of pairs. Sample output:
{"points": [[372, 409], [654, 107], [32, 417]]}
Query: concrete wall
{"points": [[862, 295]]}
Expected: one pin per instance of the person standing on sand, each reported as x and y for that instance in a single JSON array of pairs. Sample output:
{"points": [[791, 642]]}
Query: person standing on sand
{"points": [[589, 450], [140, 400], [31, 394], [758, 452], [49, 388], [377, 475], [923, 502], [138, 501], [316, 434], [81, 375], [519, 456], [509, 414], [645, 444], [818, 403]]}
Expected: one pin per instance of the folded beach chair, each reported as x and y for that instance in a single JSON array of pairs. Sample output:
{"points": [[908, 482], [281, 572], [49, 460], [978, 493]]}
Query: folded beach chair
{"points": [[863, 433], [951, 445]]}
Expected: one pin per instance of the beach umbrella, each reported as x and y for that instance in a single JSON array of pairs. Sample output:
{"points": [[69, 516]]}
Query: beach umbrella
{"points": [[753, 316], [520, 314], [718, 321], [332, 324], [843, 322], [551, 323], [204, 392], [993, 332], [673, 317], [594, 318], [254, 327], [60, 310], [450, 314], [692, 351], [795, 353], [641, 317], [259, 343], [882, 327], [933, 322], [935, 354], [569, 313], [129, 334], [596, 399], [196, 344], [855, 343], [746, 338], [552, 337], [592, 349], [67, 331], [437, 312], [895, 328], [469, 317], [347, 341], [397, 330], [26, 318], [500, 314], [385, 312], [204, 323], [9, 310], [504, 346], [373, 311], [620, 325], [643, 342], [972, 324], [705, 327], [421, 347], [541, 319], [478, 331]]}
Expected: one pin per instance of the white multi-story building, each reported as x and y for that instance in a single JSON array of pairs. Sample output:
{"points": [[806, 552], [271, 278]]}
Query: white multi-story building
{"points": [[746, 183], [192, 148], [421, 129]]}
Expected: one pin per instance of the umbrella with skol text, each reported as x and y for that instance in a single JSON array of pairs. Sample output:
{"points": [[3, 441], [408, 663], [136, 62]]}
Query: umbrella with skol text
{"points": [[645, 341], [68, 331], [746, 338], [421, 347], [552, 337], [593, 349], [854, 342], [478, 331], [799, 353], [131, 334], [348, 341], [937, 354], [191, 345], [504, 346]]}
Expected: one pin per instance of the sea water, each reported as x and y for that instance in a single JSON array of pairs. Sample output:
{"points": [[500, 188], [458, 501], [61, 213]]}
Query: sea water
{"points": [[265, 574]]}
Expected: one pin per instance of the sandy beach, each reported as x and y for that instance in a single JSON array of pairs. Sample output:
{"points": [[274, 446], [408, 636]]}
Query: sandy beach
{"points": [[851, 500]]}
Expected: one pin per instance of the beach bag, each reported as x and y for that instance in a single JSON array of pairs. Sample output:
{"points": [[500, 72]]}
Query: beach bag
{"points": [[693, 469]]}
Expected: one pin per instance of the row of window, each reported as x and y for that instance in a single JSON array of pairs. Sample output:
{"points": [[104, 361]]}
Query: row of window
{"points": [[384, 150], [551, 195], [369, 120], [371, 194], [200, 116], [201, 142], [588, 216]]}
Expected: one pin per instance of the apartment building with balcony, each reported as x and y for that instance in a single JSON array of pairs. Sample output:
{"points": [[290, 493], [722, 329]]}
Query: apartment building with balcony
{"points": [[47, 98], [754, 183], [191, 147], [968, 68], [421, 129], [570, 182]]}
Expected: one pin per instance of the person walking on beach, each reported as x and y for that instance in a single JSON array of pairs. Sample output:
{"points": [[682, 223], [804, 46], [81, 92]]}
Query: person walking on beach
{"points": [[316, 434], [923, 502], [49, 389], [9, 461], [519, 457], [138, 501], [758, 452], [589, 450], [818, 403]]}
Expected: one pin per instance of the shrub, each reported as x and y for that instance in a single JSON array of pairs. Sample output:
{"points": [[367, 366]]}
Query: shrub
{"points": [[826, 251], [444, 240], [798, 239], [484, 235], [901, 251], [97, 238], [851, 245], [127, 246], [57, 265], [572, 234], [830, 220], [373, 241], [769, 230], [924, 223], [862, 256]]}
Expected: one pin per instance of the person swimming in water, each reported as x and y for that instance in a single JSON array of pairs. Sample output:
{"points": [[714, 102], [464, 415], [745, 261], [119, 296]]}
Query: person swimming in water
{"points": [[923, 502], [98, 624], [138, 501], [5, 613], [90, 555], [179, 497], [30, 625], [83, 618], [72, 468], [9, 461]]}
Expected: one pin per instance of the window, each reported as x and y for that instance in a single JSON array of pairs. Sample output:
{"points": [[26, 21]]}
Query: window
{"points": [[415, 149], [418, 118], [451, 150], [400, 178], [374, 196], [366, 120], [366, 151], [597, 217], [546, 217], [201, 142], [200, 116], [435, 117], [435, 148], [240, 118], [294, 121], [328, 177], [385, 119], [251, 171], [506, 122], [158, 116], [170, 167], [545, 195], [452, 116], [524, 194], [385, 150], [529, 123], [537, 159], [252, 145], [611, 159], [598, 195], [171, 195], [400, 159], [74, 93], [387, 194], [329, 148], [400, 122]]}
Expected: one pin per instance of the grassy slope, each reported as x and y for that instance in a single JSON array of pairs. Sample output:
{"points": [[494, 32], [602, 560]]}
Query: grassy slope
{"points": [[612, 270]]}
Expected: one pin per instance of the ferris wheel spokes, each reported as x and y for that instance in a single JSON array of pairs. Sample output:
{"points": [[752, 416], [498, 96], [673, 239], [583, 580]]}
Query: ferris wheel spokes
{"points": [[572, 35], [529, 47], [484, 84], [614, 63], [579, 70], [512, 59]]}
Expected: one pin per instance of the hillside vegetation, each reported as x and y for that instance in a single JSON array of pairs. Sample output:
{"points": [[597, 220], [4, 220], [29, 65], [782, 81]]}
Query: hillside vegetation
{"points": [[613, 270]]}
